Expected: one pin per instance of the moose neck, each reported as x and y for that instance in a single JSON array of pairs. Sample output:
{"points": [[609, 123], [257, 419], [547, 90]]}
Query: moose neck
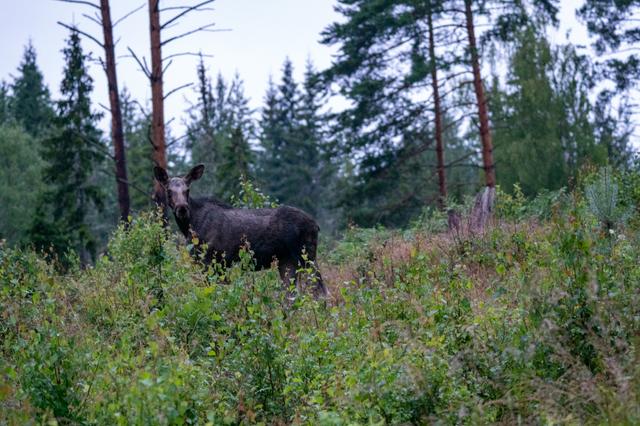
{"points": [[185, 224]]}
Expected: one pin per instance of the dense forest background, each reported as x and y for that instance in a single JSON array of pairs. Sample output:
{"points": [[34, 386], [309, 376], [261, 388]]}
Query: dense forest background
{"points": [[426, 102]]}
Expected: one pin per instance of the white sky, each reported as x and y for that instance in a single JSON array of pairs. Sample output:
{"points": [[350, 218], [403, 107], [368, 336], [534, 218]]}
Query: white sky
{"points": [[262, 33]]}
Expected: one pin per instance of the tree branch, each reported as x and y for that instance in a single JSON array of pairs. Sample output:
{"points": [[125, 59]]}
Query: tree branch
{"points": [[143, 67], [89, 36], [184, 86], [93, 19], [175, 55], [86, 3], [204, 28], [184, 12], [127, 15]]}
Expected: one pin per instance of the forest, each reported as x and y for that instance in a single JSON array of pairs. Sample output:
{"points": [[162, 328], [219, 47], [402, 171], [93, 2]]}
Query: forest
{"points": [[475, 179]]}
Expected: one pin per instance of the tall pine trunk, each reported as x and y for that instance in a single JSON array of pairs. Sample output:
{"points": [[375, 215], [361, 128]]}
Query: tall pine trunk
{"points": [[117, 134], [481, 100], [157, 99], [442, 183]]}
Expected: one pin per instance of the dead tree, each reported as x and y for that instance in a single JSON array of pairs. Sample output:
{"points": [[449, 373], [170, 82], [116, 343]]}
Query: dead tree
{"points": [[157, 99], [103, 19], [481, 99], [155, 74], [442, 183], [117, 134]]}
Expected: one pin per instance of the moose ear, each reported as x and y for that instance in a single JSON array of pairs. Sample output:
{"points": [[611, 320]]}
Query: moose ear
{"points": [[161, 175], [194, 174]]}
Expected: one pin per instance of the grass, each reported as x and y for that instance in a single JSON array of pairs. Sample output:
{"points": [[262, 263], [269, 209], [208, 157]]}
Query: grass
{"points": [[535, 321]]}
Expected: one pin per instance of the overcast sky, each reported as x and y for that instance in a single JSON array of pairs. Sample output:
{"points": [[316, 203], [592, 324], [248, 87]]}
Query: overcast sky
{"points": [[262, 33]]}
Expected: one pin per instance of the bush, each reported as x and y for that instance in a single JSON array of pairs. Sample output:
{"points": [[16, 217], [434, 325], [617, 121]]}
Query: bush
{"points": [[534, 323]]}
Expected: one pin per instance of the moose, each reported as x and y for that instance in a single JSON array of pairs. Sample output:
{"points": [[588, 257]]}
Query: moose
{"points": [[283, 234]]}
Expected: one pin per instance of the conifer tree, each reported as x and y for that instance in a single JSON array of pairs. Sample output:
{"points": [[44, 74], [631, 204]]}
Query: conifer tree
{"points": [[5, 101], [615, 26], [270, 139], [31, 102], [135, 126], [235, 156], [221, 125], [74, 151]]}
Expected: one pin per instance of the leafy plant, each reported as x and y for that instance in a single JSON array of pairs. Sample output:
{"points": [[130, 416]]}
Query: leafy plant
{"points": [[604, 200], [251, 196]]}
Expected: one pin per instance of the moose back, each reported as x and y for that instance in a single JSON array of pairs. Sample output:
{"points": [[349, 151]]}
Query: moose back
{"points": [[283, 234]]}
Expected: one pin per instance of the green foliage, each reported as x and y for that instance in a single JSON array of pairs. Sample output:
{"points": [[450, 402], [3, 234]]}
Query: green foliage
{"points": [[251, 197], [604, 200], [292, 167], [219, 132], [139, 164], [416, 331], [546, 131], [20, 172], [30, 103], [74, 154]]}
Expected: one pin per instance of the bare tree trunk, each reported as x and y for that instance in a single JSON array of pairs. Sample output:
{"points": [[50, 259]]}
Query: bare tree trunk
{"points": [[483, 115], [442, 183], [116, 115], [157, 99]]}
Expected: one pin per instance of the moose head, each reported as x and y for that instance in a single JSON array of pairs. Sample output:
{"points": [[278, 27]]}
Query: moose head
{"points": [[177, 189]]}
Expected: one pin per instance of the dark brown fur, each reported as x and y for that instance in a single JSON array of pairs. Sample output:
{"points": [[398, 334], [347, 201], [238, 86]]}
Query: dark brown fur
{"points": [[282, 234]]}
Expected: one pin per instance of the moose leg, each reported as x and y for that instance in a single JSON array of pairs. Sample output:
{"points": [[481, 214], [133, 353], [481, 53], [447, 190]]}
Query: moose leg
{"points": [[320, 290], [287, 271]]}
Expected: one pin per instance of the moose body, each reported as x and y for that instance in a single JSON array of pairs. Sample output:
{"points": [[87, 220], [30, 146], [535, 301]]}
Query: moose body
{"points": [[284, 234]]}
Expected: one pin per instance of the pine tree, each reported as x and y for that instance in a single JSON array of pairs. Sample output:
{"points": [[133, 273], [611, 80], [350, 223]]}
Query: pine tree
{"points": [[289, 138], [388, 65], [235, 156], [31, 103], [235, 163], [528, 142], [270, 139], [74, 152], [21, 175], [221, 125], [614, 127], [615, 26], [203, 127], [5, 102], [139, 165], [321, 172]]}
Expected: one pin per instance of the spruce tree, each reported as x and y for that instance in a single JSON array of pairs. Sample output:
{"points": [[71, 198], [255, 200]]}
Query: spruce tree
{"points": [[74, 152], [21, 177], [235, 156], [289, 140], [30, 101], [5, 102], [203, 128], [135, 126], [529, 147], [270, 140]]}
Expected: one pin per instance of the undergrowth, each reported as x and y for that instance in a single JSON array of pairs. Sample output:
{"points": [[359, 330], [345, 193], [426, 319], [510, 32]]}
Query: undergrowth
{"points": [[537, 320]]}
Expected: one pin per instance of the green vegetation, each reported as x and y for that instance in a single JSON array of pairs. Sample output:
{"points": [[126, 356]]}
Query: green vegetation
{"points": [[535, 321]]}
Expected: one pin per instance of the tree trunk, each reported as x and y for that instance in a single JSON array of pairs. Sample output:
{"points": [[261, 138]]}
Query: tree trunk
{"points": [[157, 99], [442, 184], [116, 115], [483, 115]]}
